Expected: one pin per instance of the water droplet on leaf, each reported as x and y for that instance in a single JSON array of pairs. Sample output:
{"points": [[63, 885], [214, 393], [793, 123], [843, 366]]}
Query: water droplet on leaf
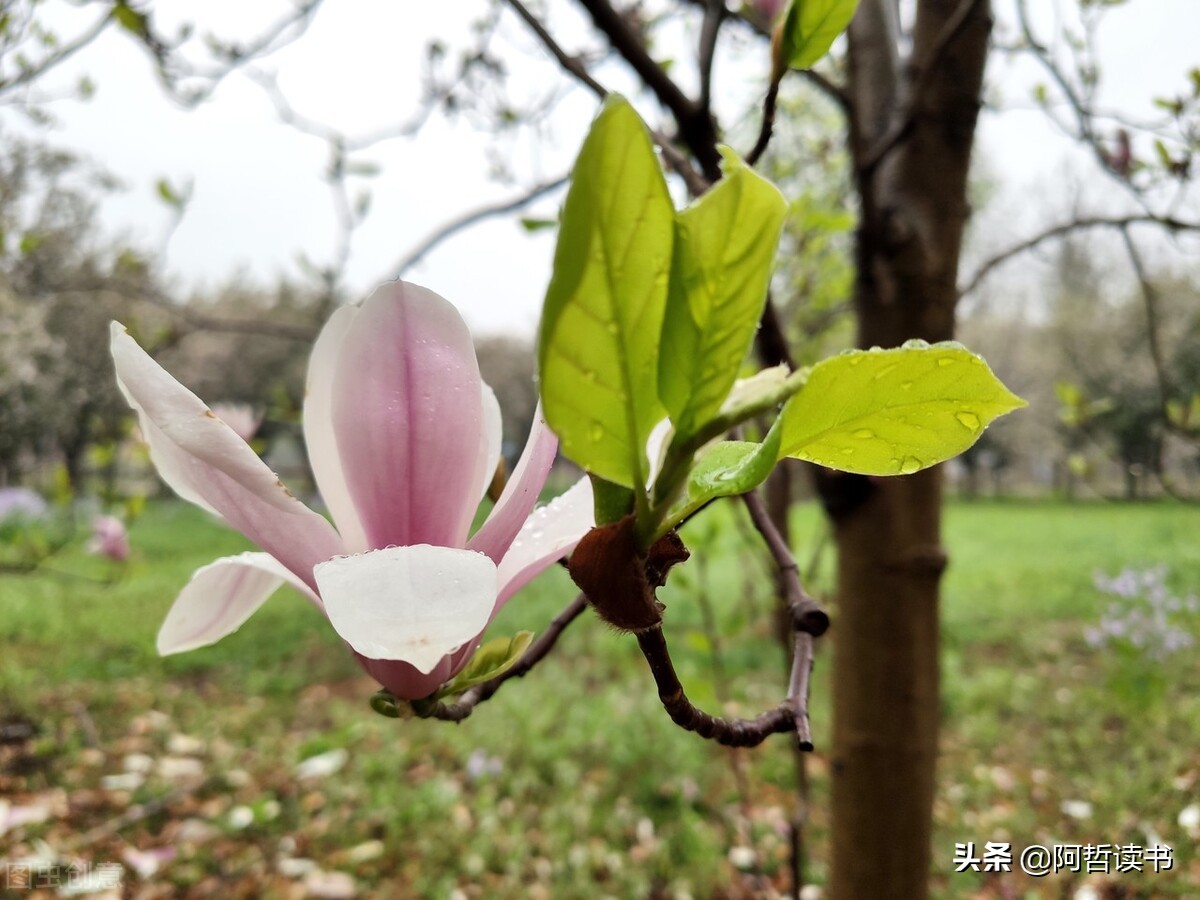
{"points": [[911, 464], [968, 420], [864, 433]]}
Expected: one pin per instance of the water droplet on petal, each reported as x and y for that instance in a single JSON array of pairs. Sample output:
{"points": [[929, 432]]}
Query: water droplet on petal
{"points": [[968, 420]]}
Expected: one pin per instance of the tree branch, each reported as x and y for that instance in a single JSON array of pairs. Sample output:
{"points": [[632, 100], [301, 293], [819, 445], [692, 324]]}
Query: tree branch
{"points": [[473, 217], [710, 29], [538, 650], [759, 26], [696, 183], [569, 63], [809, 621], [695, 123], [1121, 222], [928, 69], [36, 70]]}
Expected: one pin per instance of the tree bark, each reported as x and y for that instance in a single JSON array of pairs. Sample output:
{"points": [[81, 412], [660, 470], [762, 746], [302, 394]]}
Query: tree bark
{"points": [[886, 650]]}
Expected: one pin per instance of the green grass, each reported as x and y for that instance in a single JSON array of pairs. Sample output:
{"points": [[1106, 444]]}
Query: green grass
{"points": [[591, 791]]}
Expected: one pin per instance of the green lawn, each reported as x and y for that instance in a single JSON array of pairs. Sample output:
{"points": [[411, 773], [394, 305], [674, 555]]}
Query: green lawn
{"points": [[572, 782]]}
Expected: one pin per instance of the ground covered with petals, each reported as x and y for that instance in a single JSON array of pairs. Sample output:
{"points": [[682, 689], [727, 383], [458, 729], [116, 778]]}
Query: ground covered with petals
{"points": [[255, 768]]}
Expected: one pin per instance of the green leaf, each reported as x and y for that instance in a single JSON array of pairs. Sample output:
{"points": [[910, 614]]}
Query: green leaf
{"points": [[532, 225], [491, 660], [730, 468], [598, 346], [894, 412], [131, 20], [809, 28], [168, 194], [721, 268]]}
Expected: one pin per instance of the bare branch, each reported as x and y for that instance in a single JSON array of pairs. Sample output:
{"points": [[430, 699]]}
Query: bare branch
{"points": [[767, 127], [760, 26], [1057, 231], [36, 70], [927, 69], [710, 29], [695, 123], [696, 183], [569, 63], [808, 621], [538, 650], [173, 70], [474, 217]]}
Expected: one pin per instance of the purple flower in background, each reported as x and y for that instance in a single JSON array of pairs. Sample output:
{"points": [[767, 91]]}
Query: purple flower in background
{"points": [[403, 437], [1145, 615], [109, 538], [21, 502]]}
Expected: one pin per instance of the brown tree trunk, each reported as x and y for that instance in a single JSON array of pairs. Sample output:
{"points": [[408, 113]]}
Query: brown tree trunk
{"points": [[890, 559]]}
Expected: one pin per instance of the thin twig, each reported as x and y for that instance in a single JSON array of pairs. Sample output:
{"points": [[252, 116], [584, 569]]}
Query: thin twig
{"points": [[807, 613], [768, 125], [696, 182], [35, 70], [1168, 222], [538, 650], [473, 217], [571, 64]]}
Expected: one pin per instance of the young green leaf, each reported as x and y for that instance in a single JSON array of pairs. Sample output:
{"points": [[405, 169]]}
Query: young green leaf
{"points": [[721, 267], [494, 658], [809, 28], [725, 470], [598, 346], [893, 412]]}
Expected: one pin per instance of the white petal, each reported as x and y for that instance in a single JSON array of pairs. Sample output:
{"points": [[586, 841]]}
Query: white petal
{"points": [[322, 445], [551, 532], [520, 493], [490, 446], [220, 597], [656, 448], [202, 460], [414, 604]]}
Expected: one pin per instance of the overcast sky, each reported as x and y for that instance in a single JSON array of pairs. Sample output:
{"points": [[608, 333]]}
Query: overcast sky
{"points": [[259, 200]]}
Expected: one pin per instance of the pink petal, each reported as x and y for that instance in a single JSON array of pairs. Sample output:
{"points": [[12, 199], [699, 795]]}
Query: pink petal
{"points": [[407, 412], [414, 604], [550, 533], [203, 461], [318, 430], [520, 494], [405, 680], [220, 597]]}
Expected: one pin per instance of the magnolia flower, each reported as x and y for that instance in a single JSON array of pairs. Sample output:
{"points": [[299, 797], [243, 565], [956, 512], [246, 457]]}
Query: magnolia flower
{"points": [[109, 538], [403, 438]]}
